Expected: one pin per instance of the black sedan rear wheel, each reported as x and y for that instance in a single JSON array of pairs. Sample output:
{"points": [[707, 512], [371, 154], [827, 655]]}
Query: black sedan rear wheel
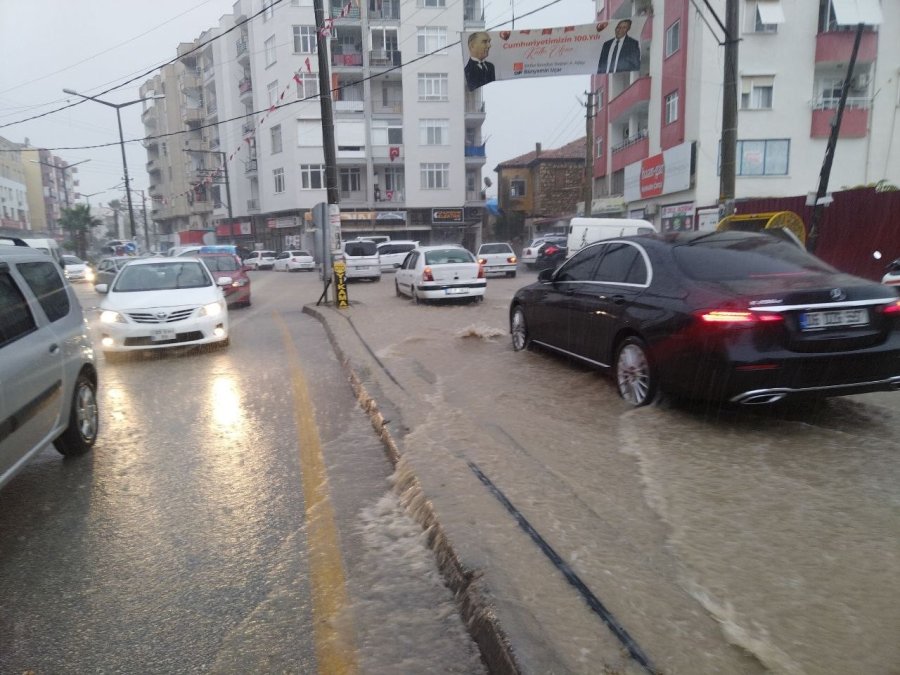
{"points": [[635, 377], [519, 330]]}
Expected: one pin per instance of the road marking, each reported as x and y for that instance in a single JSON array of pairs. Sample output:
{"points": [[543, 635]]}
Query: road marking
{"points": [[332, 620]]}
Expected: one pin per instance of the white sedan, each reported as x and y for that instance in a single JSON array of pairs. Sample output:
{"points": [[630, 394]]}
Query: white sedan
{"points": [[497, 258], [156, 303], [440, 273], [293, 261]]}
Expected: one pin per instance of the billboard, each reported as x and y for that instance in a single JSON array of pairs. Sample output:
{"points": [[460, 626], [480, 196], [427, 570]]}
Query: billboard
{"points": [[606, 47]]}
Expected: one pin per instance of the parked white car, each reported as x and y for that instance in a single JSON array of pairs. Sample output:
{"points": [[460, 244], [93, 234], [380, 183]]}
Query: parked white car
{"points": [[530, 252], [497, 258], [260, 260], [294, 261], [77, 269], [157, 303], [392, 253], [440, 273], [361, 259]]}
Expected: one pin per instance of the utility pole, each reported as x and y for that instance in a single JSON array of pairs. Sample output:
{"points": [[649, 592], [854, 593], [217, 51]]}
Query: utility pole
{"points": [[333, 233], [813, 238], [589, 155], [729, 109]]}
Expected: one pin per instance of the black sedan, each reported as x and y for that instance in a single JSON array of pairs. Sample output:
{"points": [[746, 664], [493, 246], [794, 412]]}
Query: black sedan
{"points": [[726, 316], [551, 253]]}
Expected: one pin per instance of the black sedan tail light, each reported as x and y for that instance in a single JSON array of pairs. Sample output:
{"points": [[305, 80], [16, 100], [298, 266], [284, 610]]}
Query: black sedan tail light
{"points": [[739, 317]]}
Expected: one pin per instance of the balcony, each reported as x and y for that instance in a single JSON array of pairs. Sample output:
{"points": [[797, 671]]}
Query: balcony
{"points": [[153, 166], [474, 107], [149, 143], [632, 100], [384, 11], [386, 154], [245, 86], [196, 145], [475, 154], [201, 206], [354, 59], [242, 53], [149, 116], [190, 79], [344, 11], [192, 115], [212, 108], [854, 121], [837, 46], [348, 106], [250, 166], [473, 15], [248, 128], [631, 150], [253, 205], [384, 58]]}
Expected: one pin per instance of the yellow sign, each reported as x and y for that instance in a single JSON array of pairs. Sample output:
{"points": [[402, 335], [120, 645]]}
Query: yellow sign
{"points": [[342, 300]]}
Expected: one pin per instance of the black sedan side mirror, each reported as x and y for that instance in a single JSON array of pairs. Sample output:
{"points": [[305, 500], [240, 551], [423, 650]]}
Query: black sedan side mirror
{"points": [[546, 275]]}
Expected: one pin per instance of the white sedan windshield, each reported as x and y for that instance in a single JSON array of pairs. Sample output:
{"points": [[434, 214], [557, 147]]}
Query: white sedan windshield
{"points": [[162, 276]]}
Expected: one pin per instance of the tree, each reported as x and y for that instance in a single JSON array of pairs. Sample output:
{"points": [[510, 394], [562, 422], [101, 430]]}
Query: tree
{"points": [[78, 221]]}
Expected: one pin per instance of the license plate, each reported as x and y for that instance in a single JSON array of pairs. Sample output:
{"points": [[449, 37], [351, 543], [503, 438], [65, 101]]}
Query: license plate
{"points": [[159, 334], [456, 291], [834, 319]]}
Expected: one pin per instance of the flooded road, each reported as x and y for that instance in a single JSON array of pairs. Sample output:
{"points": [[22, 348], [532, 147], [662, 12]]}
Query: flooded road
{"points": [[722, 540]]}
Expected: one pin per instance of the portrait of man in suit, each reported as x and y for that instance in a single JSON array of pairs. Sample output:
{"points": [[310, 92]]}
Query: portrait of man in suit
{"points": [[621, 53], [479, 71]]}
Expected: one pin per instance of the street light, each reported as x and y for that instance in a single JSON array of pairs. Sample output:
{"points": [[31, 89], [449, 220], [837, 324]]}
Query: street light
{"points": [[118, 107]]}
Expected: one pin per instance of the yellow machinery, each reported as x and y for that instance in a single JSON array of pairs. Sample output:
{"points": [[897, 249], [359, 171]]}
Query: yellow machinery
{"points": [[757, 222]]}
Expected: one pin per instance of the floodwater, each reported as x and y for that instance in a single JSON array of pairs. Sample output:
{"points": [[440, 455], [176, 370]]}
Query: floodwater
{"points": [[738, 541]]}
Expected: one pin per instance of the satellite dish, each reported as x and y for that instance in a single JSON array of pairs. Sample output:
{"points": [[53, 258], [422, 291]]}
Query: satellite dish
{"points": [[487, 181]]}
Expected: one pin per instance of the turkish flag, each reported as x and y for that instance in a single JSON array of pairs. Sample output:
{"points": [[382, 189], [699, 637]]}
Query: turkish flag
{"points": [[394, 152]]}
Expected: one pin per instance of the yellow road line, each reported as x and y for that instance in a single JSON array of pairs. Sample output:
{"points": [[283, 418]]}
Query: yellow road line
{"points": [[332, 621]]}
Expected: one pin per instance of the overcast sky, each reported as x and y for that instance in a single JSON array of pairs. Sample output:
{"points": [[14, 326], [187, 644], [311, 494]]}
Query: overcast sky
{"points": [[94, 45]]}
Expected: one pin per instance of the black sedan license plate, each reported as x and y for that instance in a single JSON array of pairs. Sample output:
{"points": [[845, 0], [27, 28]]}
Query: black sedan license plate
{"points": [[836, 318]]}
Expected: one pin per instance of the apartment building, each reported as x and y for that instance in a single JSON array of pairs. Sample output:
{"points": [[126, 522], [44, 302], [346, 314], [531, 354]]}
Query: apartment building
{"points": [[14, 214], [657, 130], [407, 135]]}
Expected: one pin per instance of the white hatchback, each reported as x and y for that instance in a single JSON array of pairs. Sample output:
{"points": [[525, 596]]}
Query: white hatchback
{"points": [[497, 258], [156, 303], [293, 261], [440, 273], [393, 253], [260, 260]]}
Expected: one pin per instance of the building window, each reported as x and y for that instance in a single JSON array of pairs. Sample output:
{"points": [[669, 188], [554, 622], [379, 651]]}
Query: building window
{"points": [[435, 176], [307, 85], [387, 132], [431, 39], [599, 146], [432, 3], [268, 9], [272, 93], [269, 46], [433, 87], [350, 180], [756, 92], [304, 39], [763, 16], [434, 132], [673, 38], [278, 176], [672, 107], [769, 157], [275, 133], [516, 187], [312, 176]]}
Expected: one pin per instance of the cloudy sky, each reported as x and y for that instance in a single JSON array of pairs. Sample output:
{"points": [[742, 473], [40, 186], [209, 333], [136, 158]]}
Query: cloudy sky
{"points": [[95, 45]]}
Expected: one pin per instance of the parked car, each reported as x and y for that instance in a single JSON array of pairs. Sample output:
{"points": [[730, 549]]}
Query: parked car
{"points": [[109, 267], [260, 260], [48, 379], [584, 231], [361, 259], [497, 258], [237, 293], [77, 269], [392, 253], [551, 253], [294, 261], [440, 273], [892, 277], [726, 316], [530, 252], [157, 303]]}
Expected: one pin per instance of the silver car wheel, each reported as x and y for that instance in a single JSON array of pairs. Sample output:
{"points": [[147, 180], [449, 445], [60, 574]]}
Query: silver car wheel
{"points": [[634, 375], [519, 330]]}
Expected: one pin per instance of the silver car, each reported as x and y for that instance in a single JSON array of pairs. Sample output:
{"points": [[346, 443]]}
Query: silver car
{"points": [[48, 380]]}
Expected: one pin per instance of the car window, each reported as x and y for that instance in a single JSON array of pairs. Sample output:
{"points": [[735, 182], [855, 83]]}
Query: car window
{"points": [[409, 261], [358, 248], [282, 256], [445, 256], [268, 254], [163, 276], [723, 258], [46, 283], [72, 260], [581, 266], [221, 263], [16, 318], [300, 253], [494, 248], [622, 263]]}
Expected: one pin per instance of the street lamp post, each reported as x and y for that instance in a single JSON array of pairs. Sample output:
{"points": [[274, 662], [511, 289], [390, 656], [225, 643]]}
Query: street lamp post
{"points": [[118, 107]]}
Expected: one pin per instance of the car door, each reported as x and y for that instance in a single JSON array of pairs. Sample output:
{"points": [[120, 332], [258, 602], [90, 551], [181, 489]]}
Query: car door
{"points": [[31, 372], [554, 321], [601, 305], [406, 273]]}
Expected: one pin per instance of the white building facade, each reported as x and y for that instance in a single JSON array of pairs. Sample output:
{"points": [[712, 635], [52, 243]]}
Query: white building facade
{"points": [[407, 135], [657, 131]]}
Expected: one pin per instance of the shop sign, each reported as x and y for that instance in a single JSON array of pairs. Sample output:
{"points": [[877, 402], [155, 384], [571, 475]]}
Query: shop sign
{"points": [[357, 215], [283, 222], [677, 217], [447, 215], [662, 174], [391, 215]]}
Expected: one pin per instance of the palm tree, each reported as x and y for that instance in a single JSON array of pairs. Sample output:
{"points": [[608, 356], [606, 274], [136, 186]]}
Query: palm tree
{"points": [[78, 221]]}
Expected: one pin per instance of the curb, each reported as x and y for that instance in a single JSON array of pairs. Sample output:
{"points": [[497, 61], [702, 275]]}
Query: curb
{"points": [[480, 620]]}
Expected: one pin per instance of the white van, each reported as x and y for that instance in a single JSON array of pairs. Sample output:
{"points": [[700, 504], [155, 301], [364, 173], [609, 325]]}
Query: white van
{"points": [[48, 246], [584, 231], [361, 258]]}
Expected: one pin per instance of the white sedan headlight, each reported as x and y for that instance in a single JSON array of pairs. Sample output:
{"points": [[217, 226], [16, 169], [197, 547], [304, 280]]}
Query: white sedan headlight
{"points": [[109, 316], [212, 309]]}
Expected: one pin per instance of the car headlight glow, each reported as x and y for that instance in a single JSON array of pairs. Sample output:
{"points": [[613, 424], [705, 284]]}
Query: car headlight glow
{"points": [[109, 316], [212, 309]]}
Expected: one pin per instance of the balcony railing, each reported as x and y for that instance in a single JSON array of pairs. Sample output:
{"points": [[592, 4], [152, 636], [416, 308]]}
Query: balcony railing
{"points": [[353, 59], [250, 167], [832, 102], [631, 140], [349, 10], [245, 85], [241, 46], [384, 57]]}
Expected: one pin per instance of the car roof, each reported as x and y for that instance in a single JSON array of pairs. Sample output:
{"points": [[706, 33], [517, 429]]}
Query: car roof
{"points": [[165, 259], [438, 247]]}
